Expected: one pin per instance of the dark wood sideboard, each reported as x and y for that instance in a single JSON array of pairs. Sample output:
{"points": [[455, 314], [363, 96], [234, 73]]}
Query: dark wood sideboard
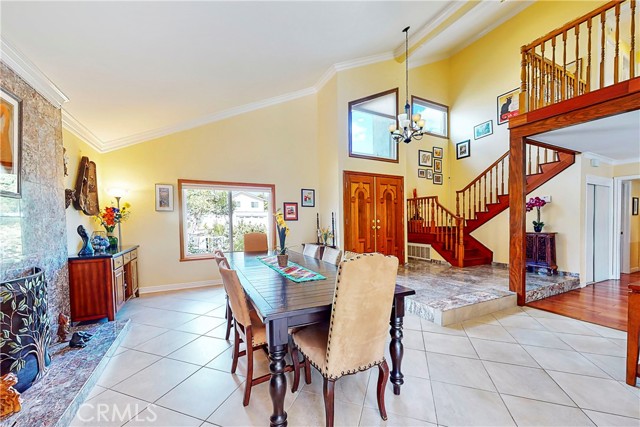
{"points": [[541, 252], [100, 284]]}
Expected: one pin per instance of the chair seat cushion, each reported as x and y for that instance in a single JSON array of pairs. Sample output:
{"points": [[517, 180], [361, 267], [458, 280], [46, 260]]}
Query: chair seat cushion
{"points": [[258, 328], [312, 343]]}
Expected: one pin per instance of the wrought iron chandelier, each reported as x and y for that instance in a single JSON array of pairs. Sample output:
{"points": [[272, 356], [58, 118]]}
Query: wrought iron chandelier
{"points": [[410, 125]]}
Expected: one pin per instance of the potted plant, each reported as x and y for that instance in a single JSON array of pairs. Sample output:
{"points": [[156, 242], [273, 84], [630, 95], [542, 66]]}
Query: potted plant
{"points": [[537, 203], [283, 231]]}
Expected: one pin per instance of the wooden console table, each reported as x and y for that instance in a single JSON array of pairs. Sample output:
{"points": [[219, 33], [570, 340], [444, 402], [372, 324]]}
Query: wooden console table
{"points": [[100, 284], [541, 252], [633, 334]]}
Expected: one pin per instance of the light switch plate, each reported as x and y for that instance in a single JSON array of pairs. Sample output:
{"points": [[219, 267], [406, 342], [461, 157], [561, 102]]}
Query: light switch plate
{"points": [[546, 198]]}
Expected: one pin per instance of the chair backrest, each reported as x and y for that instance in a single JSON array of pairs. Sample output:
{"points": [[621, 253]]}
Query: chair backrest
{"points": [[255, 242], [334, 256], [349, 255], [311, 250], [362, 304], [237, 297], [221, 260]]}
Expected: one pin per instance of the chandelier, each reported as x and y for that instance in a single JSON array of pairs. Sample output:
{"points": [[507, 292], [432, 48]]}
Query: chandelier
{"points": [[410, 125]]}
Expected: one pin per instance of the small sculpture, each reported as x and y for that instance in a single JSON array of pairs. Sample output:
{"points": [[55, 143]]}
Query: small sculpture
{"points": [[63, 327], [10, 401], [79, 339], [87, 249]]}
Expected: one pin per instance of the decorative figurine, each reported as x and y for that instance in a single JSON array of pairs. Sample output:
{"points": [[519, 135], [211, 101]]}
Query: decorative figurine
{"points": [[10, 401], [79, 339], [69, 196], [63, 327], [87, 249]]}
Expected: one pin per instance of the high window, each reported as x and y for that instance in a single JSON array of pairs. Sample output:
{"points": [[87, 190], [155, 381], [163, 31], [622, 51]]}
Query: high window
{"points": [[369, 120], [216, 215], [436, 116]]}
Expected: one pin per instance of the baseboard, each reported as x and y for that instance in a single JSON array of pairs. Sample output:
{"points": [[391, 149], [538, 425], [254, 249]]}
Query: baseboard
{"points": [[634, 270], [179, 286]]}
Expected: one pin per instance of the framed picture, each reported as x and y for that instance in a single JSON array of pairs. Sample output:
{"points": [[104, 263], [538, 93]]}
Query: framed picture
{"points": [[307, 198], [437, 178], [425, 158], [437, 165], [483, 129], [437, 152], [290, 210], [429, 174], [463, 149], [164, 197], [422, 173], [634, 206], [508, 105], [10, 143]]}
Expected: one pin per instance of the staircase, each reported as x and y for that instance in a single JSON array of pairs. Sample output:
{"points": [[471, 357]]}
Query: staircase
{"points": [[477, 203]]}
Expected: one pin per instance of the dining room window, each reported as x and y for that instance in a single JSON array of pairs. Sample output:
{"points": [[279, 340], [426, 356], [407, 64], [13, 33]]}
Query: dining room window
{"points": [[217, 215]]}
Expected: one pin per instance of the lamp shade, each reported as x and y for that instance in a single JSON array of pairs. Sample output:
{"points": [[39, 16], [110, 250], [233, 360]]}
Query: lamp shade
{"points": [[117, 192]]}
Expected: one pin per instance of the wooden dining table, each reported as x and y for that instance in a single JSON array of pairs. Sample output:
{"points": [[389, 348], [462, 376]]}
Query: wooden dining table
{"points": [[283, 304]]}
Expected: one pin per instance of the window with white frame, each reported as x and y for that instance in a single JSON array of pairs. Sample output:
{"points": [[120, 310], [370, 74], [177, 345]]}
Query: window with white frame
{"points": [[436, 116]]}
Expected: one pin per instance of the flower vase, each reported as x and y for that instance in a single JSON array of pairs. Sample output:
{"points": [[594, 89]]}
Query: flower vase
{"points": [[283, 260], [537, 228], [113, 242]]}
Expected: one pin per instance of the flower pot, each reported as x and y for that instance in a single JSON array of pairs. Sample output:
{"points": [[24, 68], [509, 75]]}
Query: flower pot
{"points": [[283, 260], [113, 242], [537, 228]]}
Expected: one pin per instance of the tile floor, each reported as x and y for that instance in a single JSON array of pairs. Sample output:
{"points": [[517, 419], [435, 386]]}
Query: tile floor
{"points": [[517, 367]]}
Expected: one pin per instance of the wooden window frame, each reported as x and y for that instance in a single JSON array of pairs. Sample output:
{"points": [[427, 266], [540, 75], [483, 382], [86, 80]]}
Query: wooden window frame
{"points": [[183, 182], [427, 101]]}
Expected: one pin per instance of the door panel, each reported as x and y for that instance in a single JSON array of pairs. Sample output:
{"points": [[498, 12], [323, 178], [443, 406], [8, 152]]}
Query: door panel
{"points": [[359, 214], [389, 216], [601, 234]]}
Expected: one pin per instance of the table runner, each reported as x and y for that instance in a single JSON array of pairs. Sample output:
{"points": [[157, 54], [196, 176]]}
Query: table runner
{"points": [[292, 271]]}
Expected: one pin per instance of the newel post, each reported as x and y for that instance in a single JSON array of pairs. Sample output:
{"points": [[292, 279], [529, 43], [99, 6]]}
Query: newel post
{"points": [[517, 219], [523, 81]]}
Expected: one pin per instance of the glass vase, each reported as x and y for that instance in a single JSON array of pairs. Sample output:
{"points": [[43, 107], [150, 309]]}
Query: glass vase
{"points": [[113, 242]]}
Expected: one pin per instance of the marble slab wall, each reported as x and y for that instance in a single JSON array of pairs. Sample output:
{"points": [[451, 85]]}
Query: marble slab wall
{"points": [[33, 228]]}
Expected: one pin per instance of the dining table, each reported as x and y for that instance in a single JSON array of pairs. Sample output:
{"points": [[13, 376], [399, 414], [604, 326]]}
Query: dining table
{"points": [[282, 304]]}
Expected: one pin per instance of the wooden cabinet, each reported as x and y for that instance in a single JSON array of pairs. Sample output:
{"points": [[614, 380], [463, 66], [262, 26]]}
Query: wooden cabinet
{"points": [[100, 284], [541, 252]]}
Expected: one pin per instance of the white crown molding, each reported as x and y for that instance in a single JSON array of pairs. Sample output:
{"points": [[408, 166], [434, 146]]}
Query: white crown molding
{"points": [[608, 160], [28, 71], [78, 129]]}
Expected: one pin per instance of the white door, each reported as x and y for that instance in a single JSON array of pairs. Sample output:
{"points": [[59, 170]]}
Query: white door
{"points": [[598, 230]]}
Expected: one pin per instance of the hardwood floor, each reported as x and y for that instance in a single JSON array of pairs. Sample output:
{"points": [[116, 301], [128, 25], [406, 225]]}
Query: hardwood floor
{"points": [[603, 303]]}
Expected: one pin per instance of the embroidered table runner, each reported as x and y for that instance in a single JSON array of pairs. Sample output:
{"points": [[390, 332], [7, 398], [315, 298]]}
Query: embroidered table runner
{"points": [[292, 271]]}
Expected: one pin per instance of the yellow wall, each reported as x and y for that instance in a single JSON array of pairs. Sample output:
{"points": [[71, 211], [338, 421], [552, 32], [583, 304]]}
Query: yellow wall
{"points": [[634, 262]]}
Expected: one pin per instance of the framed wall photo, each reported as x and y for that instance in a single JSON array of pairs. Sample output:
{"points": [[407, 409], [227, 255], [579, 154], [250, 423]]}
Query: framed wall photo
{"points": [[508, 106], [634, 205], [483, 129], [422, 173], [437, 165], [437, 178], [463, 149], [425, 158], [10, 143], [308, 198], [429, 174], [290, 210], [437, 152], [164, 197]]}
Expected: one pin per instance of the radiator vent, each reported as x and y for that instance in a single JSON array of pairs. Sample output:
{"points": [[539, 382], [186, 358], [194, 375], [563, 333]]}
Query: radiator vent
{"points": [[419, 251]]}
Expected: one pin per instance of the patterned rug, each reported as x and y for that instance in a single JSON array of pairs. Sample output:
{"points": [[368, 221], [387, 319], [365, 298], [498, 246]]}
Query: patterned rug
{"points": [[292, 271]]}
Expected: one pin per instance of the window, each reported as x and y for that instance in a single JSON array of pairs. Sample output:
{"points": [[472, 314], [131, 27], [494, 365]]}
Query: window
{"points": [[436, 116], [369, 120], [215, 215]]}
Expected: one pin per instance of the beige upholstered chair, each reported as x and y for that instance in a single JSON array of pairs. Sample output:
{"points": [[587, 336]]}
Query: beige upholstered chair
{"points": [[221, 260], [255, 242], [311, 250], [354, 340], [331, 255], [349, 255]]}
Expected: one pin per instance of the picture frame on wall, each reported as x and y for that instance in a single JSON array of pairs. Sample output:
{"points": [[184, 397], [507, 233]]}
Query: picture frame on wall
{"points": [[10, 143], [164, 197], [290, 210], [437, 178], [437, 165], [634, 205], [429, 174], [483, 129], [437, 152], [463, 149], [307, 198], [425, 158], [422, 173], [508, 105]]}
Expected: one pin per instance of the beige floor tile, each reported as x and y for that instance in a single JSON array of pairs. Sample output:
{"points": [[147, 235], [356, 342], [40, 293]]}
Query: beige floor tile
{"points": [[202, 393], [488, 319], [189, 306], [487, 332], [308, 410], [371, 418], [139, 333], [154, 381], [459, 371], [201, 325], [166, 343], [449, 344], [223, 363], [96, 390], [609, 420], [567, 326], [411, 321], [537, 338], [200, 351], [541, 314], [414, 363], [511, 311], [157, 416], [349, 388], [598, 394], [462, 406], [606, 332], [496, 351], [526, 382], [218, 312], [453, 329], [533, 413], [124, 365], [596, 345], [564, 361], [162, 318], [220, 331], [108, 409], [415, 400], [412, 339], [521, 322]]}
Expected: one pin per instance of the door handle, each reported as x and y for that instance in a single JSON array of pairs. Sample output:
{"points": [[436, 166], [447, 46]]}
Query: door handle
{"points": [[378, 227]]}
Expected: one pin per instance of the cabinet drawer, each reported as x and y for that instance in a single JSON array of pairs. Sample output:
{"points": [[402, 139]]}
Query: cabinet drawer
{"points": [[134, 254], [117, 262], [127, 257]]}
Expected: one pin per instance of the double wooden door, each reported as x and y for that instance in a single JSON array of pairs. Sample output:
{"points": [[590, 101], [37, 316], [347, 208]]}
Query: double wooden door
{"points": [[374, 213]]}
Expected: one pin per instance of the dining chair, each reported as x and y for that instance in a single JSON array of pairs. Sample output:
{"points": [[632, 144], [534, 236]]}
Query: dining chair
{"points": [[248, 328], [331, 255], [354, 339], [221, 260], [311, 250], [349, 255], [255, 242]]}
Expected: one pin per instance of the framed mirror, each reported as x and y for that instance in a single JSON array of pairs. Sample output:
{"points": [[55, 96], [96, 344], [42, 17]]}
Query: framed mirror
{"points": [[369, 120], [10, 143]]}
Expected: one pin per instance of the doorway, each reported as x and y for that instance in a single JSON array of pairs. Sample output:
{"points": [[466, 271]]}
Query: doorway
{"points": [[598, 229], [626, 249]]}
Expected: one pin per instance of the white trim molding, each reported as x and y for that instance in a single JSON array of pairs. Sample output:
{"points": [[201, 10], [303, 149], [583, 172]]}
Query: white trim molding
{"points": [[608, 160], [78, 129], [179, 286]]}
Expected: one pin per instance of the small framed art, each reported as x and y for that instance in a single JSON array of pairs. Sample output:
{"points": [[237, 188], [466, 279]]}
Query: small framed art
{"points": [[425, 158], [483, 129], [164, 197], [308, 198], [437, 178], [463, 149], [429, 174], [422, 173], [437, 152], [290, 210], [634, 206], [437, 165]]}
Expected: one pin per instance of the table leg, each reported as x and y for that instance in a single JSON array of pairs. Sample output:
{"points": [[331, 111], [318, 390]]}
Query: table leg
{"points": [[277, 335], [396, 349]]}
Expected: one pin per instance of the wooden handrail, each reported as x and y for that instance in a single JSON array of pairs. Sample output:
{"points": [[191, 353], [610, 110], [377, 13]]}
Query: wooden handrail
{"points": [[435, 198], [483, 173], [551, 147]]}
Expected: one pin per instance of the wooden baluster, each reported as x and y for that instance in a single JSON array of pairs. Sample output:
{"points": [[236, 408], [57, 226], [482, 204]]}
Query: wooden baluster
{"points": [[532, 86], [602, 42], [588, 88], [576, 74], [632, 45], [616, 65], [457, 203], [455, 241], [448, 235], [485, 193], [553, 70], [563, 81], [479, 198], [469, 204], [474, 200], [542, 77], [523, 80], [461, 243], [538, 159], [529, 160], [502, 179], [491, 185]]}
